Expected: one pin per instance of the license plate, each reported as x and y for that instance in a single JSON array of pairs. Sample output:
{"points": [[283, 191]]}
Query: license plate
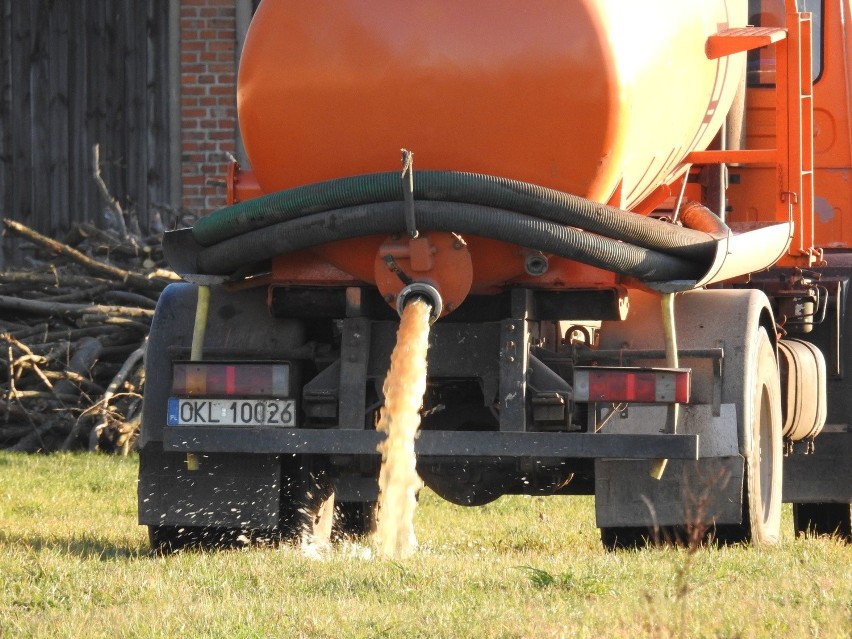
{"points": [[231, 412]]}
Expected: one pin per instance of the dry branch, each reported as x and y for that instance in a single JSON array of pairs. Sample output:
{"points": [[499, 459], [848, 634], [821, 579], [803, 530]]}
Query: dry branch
{"points": [[109, 244], [106, 418], [111, 202], [71, 310], [52, 279], [71, 373], [134, 280]]}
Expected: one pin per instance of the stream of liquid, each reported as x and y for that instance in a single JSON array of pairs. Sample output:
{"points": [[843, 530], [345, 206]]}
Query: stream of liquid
{"points": [[404, 387]]}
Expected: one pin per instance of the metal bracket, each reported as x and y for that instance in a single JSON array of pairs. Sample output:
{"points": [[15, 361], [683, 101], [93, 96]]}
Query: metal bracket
{"points": [[354, 363], [394, 268], [718, 372], [514, 362], [408, 192]]}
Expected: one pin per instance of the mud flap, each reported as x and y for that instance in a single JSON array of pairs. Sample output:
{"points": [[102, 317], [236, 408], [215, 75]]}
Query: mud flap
{"points": [[823, 474], [708, 490], [222, 491]]}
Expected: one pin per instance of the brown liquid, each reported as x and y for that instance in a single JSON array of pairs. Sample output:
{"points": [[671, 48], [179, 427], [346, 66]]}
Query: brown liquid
{"points": [[404, 387]]}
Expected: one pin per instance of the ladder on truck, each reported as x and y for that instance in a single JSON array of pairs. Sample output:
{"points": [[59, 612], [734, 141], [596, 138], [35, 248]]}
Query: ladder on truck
{"points": [[793, 153]]}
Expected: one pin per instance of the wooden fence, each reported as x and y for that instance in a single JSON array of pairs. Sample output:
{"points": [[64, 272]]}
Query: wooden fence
{"points": [[75, 73]]}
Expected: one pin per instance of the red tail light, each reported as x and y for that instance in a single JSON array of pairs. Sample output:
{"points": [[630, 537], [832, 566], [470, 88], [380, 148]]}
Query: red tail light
{"points": [[641, 385], [220, 379]]}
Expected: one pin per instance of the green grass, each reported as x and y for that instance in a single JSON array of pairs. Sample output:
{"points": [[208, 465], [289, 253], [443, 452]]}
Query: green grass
{"points": [[73, 563]]}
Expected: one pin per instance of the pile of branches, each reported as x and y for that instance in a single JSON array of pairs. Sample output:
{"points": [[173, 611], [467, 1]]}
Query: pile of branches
{"points": [[72, 339]]}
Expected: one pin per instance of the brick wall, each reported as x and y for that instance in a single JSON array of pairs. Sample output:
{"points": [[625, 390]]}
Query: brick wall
{"points": [[208, 107]]}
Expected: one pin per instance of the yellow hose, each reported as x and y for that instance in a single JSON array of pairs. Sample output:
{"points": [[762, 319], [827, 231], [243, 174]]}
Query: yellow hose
{"points": [[200, 328], [670, 335], [202, 306]]}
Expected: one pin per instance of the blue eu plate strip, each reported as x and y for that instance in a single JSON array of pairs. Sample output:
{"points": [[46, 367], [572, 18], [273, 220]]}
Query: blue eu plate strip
{"points": [[173, 412]]}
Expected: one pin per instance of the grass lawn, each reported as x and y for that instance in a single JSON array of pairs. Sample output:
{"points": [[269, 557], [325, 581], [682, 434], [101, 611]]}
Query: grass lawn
{"points": [[74, 563]]}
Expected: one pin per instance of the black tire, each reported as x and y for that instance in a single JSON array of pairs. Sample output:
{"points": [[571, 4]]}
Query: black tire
{"points": [[626, 537], [165, 540], [354, 519], [823, 520], [307, 499], [761, 404]]}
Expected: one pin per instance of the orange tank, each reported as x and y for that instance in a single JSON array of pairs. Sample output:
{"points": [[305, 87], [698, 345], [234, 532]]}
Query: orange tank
{"points": [[553, 92]]}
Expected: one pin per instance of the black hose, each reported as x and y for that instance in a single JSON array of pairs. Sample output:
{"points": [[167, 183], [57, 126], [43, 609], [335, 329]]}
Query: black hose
{"points": [[453, 186], [470, 219]]}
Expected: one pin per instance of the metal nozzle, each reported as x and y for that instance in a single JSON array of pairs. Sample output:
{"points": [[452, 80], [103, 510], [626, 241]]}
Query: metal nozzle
{"points": [[424, 291]]}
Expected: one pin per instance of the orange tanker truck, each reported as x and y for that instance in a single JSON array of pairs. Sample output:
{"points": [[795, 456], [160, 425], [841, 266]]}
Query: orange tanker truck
{"points": [[631, 224]]}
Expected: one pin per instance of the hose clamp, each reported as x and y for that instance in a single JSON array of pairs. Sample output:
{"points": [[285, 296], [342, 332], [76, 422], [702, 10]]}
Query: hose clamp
{"points": [[424, 291]]}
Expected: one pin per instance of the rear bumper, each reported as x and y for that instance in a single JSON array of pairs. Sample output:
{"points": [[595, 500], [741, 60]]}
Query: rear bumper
{"points": [[503, 444]]}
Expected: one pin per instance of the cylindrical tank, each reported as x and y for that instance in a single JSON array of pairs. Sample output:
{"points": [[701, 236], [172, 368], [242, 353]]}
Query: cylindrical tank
{"points": [[599, 98]]}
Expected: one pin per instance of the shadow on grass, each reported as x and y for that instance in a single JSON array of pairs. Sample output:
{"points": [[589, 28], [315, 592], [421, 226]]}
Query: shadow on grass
{"points": [[96, 547], [89, 546]]}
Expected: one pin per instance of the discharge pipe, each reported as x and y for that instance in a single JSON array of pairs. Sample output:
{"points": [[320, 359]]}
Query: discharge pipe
{"points": [[424, 291]]}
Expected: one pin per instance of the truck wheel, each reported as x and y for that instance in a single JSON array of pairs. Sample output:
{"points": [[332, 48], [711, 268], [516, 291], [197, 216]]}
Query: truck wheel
{"points": [[633, 537], [354, 518], [307, 499], [625, 537], [165, 540], [823, 520], [761, 405]]}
